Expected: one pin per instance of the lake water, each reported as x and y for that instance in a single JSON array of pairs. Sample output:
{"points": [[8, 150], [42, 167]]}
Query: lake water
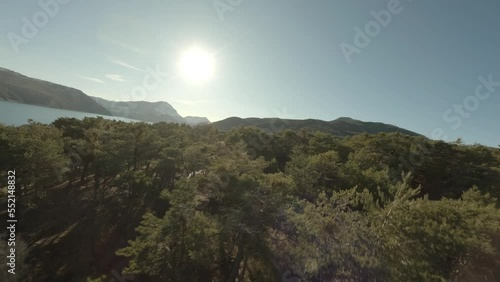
{"points": [[18, 114]]}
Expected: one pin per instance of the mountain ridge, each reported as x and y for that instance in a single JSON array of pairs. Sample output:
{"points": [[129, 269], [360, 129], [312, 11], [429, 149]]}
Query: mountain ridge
{"points": [[16, 87], [141, 110], [160, 111], [342, 126]]}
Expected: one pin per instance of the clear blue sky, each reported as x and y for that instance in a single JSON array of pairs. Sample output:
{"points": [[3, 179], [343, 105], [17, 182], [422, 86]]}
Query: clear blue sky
{"points": [[278, 58]]}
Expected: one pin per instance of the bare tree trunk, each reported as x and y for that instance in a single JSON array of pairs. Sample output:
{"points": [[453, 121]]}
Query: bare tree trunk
{"points": [[96, 185], [237, 261], [84, 172], [244, 270]]}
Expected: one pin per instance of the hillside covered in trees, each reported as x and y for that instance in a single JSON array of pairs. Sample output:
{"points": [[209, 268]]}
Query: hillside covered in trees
{"points": [[343, 126], [102, 200]]}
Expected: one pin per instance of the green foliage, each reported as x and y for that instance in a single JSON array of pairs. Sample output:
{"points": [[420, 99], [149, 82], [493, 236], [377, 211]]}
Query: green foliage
{"points": [[215, 222], [180, 203], [351, 235], [35, 151]]}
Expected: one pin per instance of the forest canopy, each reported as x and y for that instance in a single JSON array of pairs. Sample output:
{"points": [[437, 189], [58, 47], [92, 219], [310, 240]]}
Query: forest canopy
{"points": [[167, 202]]}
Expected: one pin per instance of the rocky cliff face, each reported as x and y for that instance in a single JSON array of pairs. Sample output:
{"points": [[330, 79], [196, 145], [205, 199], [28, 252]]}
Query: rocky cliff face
{"points": [[148, 111]]}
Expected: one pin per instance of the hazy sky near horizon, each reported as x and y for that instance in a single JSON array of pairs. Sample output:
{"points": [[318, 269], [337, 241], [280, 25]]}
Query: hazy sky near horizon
{"points": [[278, 58]]}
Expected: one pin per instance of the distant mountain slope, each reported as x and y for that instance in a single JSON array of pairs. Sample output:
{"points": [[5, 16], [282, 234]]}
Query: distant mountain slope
{"points": [[141, 110], [341, 126], [196, 120], [148, 111], [16, 87]]}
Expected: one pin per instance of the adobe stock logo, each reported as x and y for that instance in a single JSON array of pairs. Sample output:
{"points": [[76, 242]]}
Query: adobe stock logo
{"points": [[363, 38], [31, 26], [222, 7], [152, 79], [150, 82], [483, 91]]}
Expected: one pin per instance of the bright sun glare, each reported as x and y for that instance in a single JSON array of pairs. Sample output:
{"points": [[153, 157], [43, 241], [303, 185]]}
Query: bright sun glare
{"points": [[197, 65]]}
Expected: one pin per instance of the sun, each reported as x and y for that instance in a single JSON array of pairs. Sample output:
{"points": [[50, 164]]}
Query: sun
{"points": [[197, 64]]}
